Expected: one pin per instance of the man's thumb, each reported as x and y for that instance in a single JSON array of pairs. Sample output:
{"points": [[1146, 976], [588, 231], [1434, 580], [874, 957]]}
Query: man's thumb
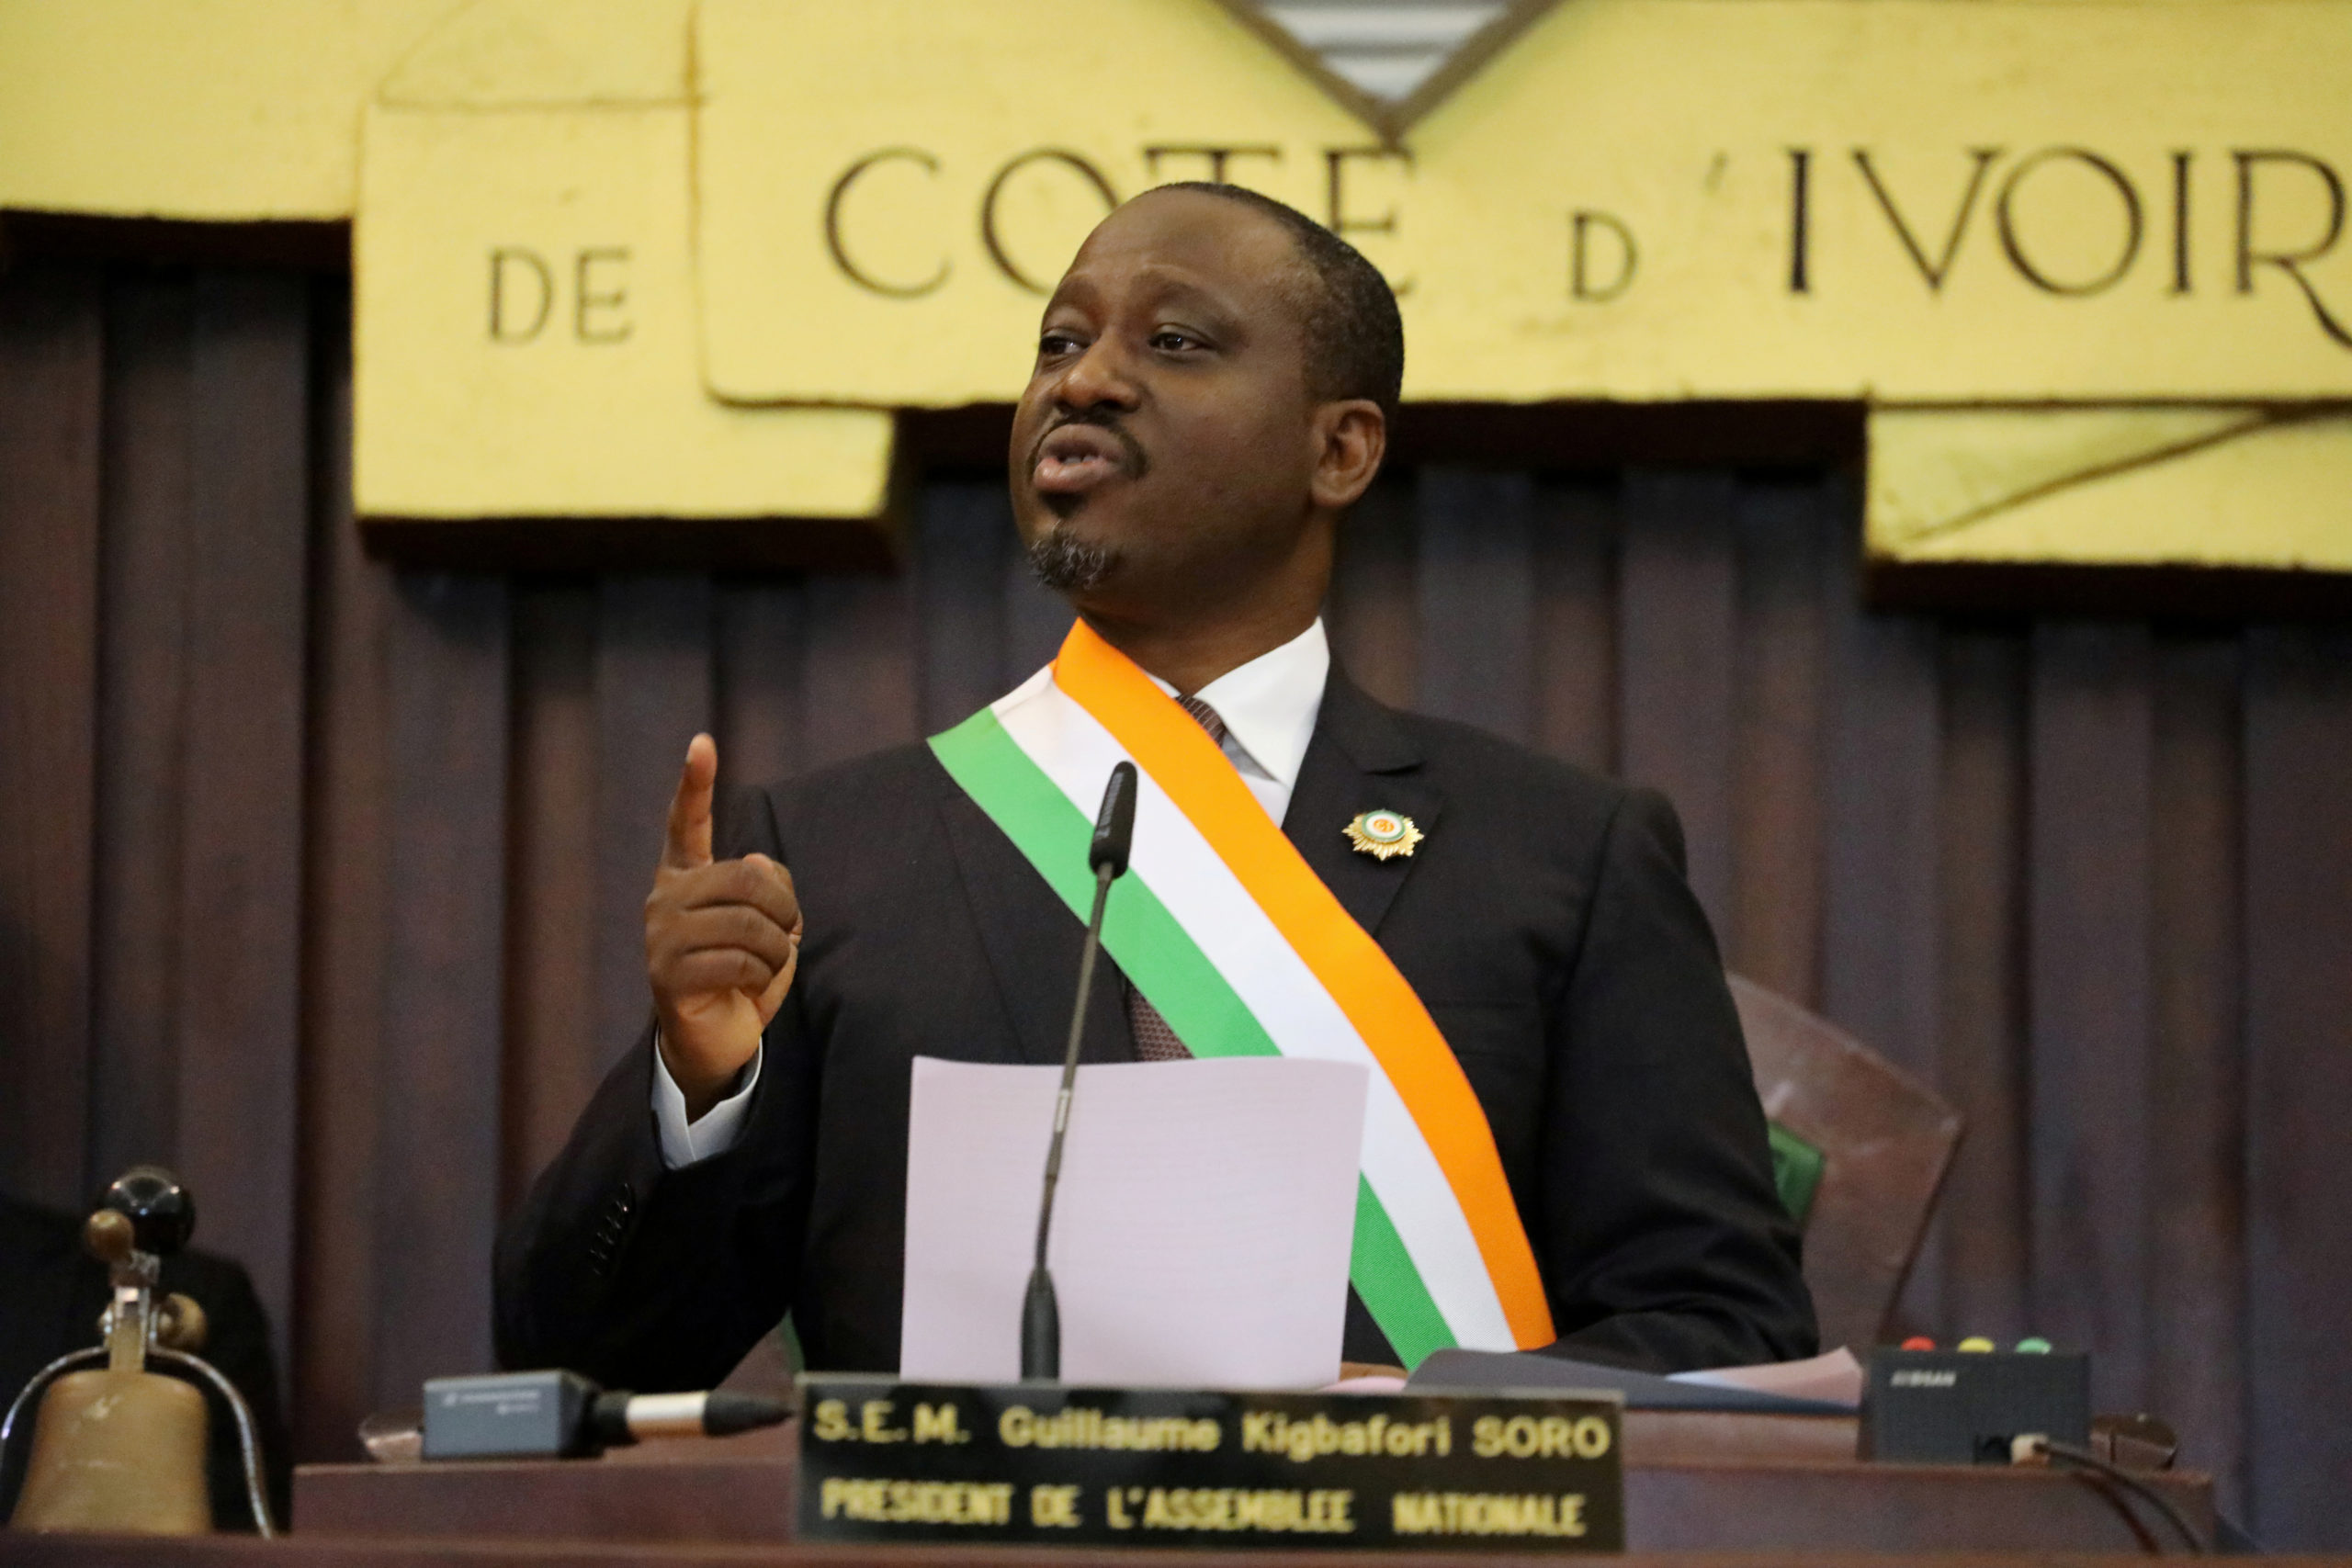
{"points": [[687, 844]]}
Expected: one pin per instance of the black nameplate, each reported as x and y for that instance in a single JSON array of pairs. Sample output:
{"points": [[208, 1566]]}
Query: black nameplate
{"points": [[1042, 1464]]}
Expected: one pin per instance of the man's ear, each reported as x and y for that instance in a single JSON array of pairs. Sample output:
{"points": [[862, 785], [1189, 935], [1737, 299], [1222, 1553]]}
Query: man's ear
{"points": [[1351, 438]]}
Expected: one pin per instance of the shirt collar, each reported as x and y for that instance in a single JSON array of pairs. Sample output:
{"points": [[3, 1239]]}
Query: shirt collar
{"points": [[1270, 704]]}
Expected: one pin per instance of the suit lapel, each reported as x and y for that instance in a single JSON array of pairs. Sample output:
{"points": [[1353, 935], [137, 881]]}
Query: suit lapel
{"points": [[1034, 942], [1359, 760]]}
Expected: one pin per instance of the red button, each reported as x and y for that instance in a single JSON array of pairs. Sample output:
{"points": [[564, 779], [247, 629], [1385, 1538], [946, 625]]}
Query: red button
{"points": [[1918, 1342]]}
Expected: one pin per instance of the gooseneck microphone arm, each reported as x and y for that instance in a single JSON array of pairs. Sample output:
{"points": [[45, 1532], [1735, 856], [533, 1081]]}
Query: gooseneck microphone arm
{"points": [[1041, 1318]]}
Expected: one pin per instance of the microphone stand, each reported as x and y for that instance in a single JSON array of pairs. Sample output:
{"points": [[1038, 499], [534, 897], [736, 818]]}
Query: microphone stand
{"points": [[1041, 1318]]}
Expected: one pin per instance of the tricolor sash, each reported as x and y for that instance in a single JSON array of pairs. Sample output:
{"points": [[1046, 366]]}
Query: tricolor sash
{"points": [[1225, 928]]}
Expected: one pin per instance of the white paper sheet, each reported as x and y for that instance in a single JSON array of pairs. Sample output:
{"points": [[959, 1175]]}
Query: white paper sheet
{"points": [[1834, 1379], [1201, 1231]]}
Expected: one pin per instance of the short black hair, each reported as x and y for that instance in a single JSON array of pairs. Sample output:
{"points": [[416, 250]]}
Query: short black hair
{"points": [[1356, 339]]}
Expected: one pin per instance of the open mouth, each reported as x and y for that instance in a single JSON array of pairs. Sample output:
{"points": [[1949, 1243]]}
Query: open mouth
{"points": [[1075, 458]]}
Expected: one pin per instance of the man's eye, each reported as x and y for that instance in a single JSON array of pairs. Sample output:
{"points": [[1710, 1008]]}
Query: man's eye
{"points": [[1174, 341], [1054, 345]]}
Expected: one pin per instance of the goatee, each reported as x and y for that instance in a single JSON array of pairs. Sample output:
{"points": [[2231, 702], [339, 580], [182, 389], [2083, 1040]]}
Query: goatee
{"points": [[1068, 565]]}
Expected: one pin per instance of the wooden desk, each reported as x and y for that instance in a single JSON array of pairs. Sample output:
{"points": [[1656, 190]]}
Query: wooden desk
{"points": [[235, 1551], [741, 1491]]}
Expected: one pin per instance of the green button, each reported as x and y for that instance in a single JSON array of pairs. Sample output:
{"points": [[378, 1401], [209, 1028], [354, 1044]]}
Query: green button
{"points": [[2034, 1346]]}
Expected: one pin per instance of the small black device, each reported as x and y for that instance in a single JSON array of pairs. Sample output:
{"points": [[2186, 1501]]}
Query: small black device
{"points": [[1969, 1406], [1106, 856]]}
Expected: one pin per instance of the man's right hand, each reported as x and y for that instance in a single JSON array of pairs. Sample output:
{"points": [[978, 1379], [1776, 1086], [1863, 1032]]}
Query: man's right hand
{"points": [[721, 942]]}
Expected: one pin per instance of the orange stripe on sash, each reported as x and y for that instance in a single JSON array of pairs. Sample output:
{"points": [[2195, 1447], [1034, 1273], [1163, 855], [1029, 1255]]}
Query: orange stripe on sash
{"points": [[1377, 999]]}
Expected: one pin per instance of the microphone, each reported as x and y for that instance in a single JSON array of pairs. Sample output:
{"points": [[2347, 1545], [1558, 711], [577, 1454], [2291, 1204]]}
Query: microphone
{"points": [[1106, 856], [554, 1413], [1114, 831], [618, 1418]]}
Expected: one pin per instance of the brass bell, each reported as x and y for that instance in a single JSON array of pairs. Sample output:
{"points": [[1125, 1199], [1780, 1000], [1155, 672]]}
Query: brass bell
{"points": [[119, 1448]]}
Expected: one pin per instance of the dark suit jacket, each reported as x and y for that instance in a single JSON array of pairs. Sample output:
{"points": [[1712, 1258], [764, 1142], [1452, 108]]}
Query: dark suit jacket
{"points": [[51, 1292], [1545, 921]]}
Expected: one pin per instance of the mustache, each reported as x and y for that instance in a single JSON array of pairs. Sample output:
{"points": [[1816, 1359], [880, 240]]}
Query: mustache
{"points": [[1132, 456]]}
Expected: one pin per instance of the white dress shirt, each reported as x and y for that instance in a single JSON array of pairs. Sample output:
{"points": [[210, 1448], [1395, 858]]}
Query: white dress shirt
{"points": [[1269, 706]]}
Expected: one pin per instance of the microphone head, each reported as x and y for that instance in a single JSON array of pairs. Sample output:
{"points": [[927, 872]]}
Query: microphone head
{"points": [[1115, 824]]}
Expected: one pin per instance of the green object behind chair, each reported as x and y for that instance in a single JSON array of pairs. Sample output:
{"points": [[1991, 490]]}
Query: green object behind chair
{"points": [[1796, 1171]]}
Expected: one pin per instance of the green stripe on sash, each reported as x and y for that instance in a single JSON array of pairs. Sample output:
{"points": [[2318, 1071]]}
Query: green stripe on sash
{"points": [[1153, 951], [1391, 1287], [1169, 968]]}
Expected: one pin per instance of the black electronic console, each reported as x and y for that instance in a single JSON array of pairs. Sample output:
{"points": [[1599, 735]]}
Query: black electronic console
{"points": [[1045, 1464], [1969, 1406]]}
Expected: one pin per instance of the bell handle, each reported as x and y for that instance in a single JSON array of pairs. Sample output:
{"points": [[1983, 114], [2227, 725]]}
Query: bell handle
{"points": [[256, 1494]]}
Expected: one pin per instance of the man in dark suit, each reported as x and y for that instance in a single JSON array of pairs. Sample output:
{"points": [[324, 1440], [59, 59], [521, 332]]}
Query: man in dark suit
{"points": [[1213, 387], [51, 1292]]}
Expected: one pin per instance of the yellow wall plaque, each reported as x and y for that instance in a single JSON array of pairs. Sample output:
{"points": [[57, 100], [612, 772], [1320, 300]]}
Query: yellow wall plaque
{"points": [[526, 344], [2261, 488], [525, 298], [1638, 199], [219, 110]]}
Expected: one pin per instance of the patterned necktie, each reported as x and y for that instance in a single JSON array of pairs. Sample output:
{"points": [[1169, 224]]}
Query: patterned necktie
{"points": [[1155, 1042]]}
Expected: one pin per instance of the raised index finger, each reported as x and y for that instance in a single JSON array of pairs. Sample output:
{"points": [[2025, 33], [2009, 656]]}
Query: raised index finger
{"points": [[686, 844]]}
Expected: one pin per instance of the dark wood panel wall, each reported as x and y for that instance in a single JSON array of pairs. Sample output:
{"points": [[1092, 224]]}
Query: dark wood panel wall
{"points": [[319, 879]]}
